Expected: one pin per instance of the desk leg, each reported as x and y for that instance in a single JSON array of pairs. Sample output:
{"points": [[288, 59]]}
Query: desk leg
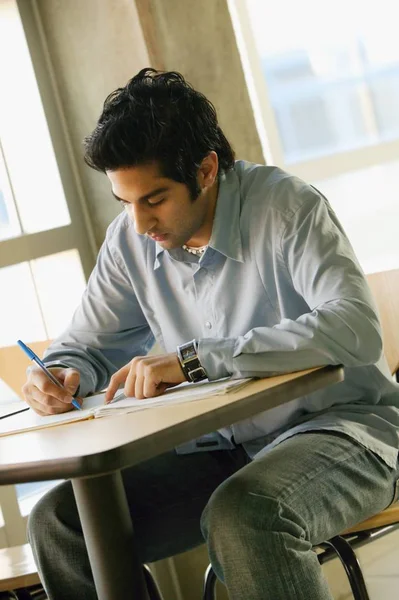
{"points": [[108, 532]]}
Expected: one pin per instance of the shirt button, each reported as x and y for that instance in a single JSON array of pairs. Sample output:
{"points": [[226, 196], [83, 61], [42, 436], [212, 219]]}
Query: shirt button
{"points": [[208, 325]]}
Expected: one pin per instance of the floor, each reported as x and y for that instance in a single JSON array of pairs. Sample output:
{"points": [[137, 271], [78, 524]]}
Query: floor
{"points": [[380, 564]]}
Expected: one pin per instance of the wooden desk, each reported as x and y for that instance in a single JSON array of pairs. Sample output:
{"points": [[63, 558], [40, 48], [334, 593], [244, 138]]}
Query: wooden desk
{"points": [[92, 453]]}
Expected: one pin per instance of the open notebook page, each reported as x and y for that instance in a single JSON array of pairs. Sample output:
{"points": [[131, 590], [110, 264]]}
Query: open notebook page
{"points": [[94, 407]]}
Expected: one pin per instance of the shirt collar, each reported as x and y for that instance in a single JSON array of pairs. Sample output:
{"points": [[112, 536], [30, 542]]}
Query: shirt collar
{"points": [[226, 235]]}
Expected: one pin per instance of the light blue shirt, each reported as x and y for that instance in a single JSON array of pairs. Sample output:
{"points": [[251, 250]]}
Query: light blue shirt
{"points": [[278, 289]]}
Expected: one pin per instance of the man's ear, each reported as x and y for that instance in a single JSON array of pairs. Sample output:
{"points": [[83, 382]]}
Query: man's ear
{"points": [[208, 171]]}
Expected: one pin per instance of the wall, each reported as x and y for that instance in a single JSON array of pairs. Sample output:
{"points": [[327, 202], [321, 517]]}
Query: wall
{"points": [[95, 47], [197, 39]]}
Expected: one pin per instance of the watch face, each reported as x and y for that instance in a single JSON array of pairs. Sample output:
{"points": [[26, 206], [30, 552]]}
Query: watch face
{"points": [[188, 353]]}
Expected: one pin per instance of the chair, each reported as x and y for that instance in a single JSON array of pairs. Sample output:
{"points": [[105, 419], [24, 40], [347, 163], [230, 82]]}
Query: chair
{"points": [[385, 289], [19, 573], [14, 362]]}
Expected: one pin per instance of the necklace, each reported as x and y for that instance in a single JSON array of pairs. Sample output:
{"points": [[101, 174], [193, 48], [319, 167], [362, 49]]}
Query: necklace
{"points": [[195, 251]]}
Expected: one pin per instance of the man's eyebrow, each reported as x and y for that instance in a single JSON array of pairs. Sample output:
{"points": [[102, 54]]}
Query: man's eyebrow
{"points": [[146, 197]]}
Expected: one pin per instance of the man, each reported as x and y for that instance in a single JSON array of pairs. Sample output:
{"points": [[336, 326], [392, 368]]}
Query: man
{"points": [[247, 269]]}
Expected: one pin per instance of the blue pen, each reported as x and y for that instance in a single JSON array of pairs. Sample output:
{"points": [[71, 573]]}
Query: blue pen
{"points": [[41, 364]]}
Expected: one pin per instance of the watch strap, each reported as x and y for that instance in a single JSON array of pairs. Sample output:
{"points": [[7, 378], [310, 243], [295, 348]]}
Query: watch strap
{"points": [[190, 362]]}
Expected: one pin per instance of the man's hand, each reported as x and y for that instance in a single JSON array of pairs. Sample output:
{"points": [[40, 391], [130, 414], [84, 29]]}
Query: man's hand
{"points": [[44, 396], [146, 376]]}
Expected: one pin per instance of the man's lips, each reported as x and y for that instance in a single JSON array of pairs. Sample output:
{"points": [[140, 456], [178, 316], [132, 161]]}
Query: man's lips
{"points": [[159, 237]]}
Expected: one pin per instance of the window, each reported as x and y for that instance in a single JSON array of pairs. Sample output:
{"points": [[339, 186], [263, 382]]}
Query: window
{"points": [[324, 82], [46, 248]]}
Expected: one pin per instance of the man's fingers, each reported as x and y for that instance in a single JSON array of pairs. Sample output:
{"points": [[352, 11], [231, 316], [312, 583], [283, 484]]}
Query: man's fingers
{"points": [[71, 380], [44, 396], [49, 401], [144, 377], [115, 381], [138, 390], [38, 408], [153, 387], [39, 380], [47, 405], [131, 382]]}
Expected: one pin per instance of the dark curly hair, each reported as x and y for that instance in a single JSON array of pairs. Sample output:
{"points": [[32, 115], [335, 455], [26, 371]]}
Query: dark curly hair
{"points": [[158, 117]]}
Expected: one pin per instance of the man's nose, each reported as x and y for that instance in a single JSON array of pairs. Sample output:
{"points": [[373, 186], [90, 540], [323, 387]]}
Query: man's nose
{"points": [[143, 219]]}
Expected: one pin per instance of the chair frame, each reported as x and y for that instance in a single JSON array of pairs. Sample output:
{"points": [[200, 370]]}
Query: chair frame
{"points": [[341, 546]]}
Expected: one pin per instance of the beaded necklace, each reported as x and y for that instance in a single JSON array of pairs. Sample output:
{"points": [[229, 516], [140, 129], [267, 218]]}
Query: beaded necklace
{"points": [[196, 251]]}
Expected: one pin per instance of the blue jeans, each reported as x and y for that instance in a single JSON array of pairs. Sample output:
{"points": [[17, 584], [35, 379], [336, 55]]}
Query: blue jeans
{"points": [[260, 519]]}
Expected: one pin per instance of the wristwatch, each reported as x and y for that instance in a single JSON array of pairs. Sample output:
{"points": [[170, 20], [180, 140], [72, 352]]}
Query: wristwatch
{"points": [[190, 363]]}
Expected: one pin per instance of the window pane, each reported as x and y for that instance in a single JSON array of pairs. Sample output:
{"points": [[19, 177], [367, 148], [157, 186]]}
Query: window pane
{"points": [[30, 493], [38, 298], [60, 283], [366, 203], [24, 133], [331, 88], [20, 315]]}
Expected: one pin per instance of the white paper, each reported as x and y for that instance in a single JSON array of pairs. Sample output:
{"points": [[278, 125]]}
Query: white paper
{"points": [[29, 420], [94, 406], [185, 392]]}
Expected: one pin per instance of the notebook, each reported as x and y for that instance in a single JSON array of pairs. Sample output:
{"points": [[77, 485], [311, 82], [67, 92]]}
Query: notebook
{"points": [[94, 407]]}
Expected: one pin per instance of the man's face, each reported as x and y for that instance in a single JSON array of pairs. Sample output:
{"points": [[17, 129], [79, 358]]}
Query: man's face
{"points": [[159, 207]]}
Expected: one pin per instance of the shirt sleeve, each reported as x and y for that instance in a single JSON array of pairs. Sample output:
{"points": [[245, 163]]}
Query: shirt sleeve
{"points": [[341, 326], [108, 328]]}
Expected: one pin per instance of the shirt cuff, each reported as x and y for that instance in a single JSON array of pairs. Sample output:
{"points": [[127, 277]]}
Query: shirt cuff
{"points": [[56, 363], [216, 356]]}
